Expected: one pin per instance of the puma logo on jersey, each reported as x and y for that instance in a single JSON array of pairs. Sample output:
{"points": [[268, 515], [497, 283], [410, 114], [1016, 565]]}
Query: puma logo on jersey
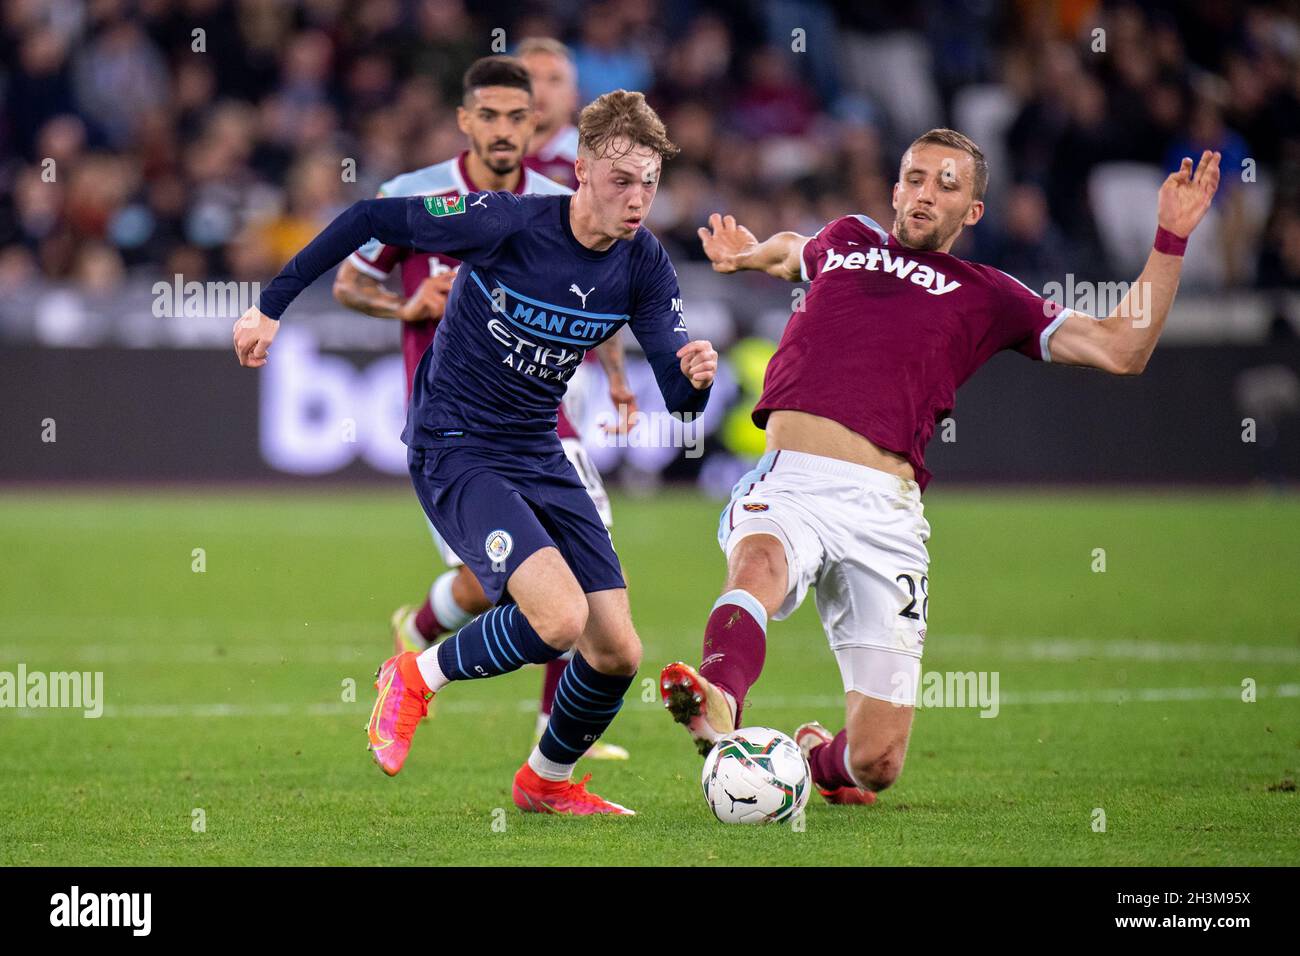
{"points": [[879, 260], [481, 201], [580, 294]]}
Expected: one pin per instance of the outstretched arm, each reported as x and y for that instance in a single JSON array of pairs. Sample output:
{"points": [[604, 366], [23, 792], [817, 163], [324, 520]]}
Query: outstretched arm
{"points": [[1123, 341], [384, 219], [460, 230], [732, 248], [388, 220]]}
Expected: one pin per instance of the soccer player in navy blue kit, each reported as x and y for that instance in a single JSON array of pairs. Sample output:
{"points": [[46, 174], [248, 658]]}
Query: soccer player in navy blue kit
{"points": [[544, 279]]}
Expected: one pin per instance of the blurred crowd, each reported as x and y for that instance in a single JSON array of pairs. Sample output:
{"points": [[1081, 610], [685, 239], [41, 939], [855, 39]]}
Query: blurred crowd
{"points": [[213, 138]]}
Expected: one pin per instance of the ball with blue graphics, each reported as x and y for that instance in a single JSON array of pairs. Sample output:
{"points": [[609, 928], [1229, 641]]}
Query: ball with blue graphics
{"points": [[756, 775]]}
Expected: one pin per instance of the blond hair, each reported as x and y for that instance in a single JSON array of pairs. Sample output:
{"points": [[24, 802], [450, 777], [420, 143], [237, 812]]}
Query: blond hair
{"points": [[622, 115]]}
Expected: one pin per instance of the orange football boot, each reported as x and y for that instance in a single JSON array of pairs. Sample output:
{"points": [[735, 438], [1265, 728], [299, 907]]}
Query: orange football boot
{"points": [[402, 703], [532, 794]]}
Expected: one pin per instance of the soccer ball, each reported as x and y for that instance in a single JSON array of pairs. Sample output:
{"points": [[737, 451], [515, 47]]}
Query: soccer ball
{"points": [[755, 775]]}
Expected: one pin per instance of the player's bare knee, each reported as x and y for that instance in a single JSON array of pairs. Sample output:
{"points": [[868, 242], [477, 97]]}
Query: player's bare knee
{"points": [[622, 660], [613, 649], [561, 626], [758, 565], [875, 769], [568, 622], [628, 654]]}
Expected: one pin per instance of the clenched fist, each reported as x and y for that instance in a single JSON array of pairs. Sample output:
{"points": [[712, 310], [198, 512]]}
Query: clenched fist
{"points": [[253, 334], [699, 362]]}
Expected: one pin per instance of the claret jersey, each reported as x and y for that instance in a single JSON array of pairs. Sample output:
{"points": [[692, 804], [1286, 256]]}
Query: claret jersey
{"points": [[554, 159], [887, 334]]}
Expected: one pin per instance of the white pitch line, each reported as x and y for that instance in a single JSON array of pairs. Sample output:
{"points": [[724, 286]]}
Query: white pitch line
{"points": [[232, 645], [188, 627], [1071, 650], [1112, 695], [194, 654], [1143, 695], [202, 629]]}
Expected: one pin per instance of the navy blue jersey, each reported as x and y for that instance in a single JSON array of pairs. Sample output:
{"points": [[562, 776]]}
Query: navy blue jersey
{"points": [[528, 301]]}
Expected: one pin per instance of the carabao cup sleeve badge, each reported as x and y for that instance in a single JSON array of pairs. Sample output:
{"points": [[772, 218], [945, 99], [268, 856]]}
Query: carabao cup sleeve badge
{"points": [[444, 205]]}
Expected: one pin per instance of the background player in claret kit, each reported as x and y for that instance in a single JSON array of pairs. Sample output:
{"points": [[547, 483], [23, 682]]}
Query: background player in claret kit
{"points": [[554, 145], [892, 325], [497, 117], [484, 457]]}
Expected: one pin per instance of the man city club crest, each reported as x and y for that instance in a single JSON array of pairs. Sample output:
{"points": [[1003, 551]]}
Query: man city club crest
{"points": [[444, 205], [499, 545]]}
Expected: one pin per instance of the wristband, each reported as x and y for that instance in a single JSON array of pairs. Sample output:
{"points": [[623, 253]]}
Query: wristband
{"points": [[1168, 243]]}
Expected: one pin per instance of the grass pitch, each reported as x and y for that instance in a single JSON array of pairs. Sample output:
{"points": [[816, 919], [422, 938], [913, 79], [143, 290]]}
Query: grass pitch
{"points": [[227, 705]]}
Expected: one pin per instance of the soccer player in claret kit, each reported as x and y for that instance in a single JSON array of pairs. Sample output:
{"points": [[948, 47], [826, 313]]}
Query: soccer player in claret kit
{"points": [[554, 146], [890, 328], [498, 117], [484, 457]]}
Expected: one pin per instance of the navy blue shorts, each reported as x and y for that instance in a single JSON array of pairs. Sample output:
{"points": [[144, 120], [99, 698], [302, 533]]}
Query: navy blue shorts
{"points": [[495, 508]]}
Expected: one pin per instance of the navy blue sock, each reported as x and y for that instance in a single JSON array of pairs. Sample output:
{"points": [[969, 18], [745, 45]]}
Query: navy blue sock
{"points": [[585, 704], [496, 642]]}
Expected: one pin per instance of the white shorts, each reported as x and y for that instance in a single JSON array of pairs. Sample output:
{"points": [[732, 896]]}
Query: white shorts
{"points": [[587, 473], [858, 536]]}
